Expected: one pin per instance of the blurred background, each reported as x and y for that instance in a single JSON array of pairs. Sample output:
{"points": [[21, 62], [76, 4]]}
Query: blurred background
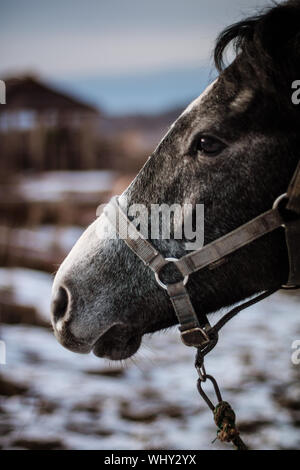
{"points": [[91, 88]]}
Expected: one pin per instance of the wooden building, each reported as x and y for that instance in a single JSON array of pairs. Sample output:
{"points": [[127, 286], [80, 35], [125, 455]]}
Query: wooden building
{"points": [[45, 129]]}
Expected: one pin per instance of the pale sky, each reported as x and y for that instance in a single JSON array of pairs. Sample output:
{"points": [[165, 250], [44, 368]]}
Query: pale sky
{"points": [[80, 38]]}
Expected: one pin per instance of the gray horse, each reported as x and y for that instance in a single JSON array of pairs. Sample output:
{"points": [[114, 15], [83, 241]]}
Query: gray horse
{"points": [[234, 149]]}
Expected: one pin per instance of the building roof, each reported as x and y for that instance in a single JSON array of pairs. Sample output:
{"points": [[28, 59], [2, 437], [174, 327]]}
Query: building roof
{"points": [[30, 93]]}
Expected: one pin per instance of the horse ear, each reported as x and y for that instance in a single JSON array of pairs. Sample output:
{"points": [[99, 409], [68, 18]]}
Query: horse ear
{"points": [[279, 32]]}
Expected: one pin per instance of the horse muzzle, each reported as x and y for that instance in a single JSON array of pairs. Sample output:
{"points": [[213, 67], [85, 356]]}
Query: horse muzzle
{"points": [[115, 341]]}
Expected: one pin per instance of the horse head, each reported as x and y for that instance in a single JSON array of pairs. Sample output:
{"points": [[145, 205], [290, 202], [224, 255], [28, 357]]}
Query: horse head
{"points": [[234, 149]]}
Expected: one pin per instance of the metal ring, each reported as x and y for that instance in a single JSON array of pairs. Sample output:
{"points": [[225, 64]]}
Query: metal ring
{"points": [[204, 395], [279, 199], [165, 286], [202, 373]]}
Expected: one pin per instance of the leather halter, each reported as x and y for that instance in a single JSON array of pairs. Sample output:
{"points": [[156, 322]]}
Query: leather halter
{"points": [[203, 335]]}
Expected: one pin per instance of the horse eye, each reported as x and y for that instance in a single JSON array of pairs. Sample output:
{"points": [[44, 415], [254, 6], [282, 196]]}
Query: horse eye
{"points": [[207, 145]]}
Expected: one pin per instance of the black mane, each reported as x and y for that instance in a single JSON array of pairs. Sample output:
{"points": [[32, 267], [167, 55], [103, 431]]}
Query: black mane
{"points": [[267, 48]]}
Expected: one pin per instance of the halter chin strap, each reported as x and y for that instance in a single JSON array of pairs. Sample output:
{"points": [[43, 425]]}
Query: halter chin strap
{"points": [[203, 335]]}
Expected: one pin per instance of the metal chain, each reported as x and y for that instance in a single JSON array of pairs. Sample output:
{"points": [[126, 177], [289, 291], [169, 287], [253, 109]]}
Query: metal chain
{"points": [[224, 415]]}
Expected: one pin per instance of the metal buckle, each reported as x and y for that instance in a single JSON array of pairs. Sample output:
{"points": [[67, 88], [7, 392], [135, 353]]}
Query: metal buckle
{"points": [[196, 337], [160, 283]]}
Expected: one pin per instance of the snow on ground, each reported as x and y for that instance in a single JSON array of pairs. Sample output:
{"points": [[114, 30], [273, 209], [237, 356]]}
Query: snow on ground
{"points": [[82, 402], [29, 288], [44, 237]]}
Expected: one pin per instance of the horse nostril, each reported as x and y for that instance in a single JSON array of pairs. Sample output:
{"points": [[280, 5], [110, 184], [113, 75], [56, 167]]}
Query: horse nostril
{"points": [[60, 304]]}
